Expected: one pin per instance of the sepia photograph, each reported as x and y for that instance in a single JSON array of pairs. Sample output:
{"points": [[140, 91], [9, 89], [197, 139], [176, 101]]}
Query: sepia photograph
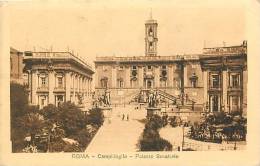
{"points": [[90, 77]]}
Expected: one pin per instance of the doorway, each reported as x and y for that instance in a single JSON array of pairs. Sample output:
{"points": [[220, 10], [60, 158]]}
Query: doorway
{"points": [[149, 84], [214, 103]]}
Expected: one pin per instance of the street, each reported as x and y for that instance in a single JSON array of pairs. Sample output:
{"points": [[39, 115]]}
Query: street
{"points": [[117, 135]]}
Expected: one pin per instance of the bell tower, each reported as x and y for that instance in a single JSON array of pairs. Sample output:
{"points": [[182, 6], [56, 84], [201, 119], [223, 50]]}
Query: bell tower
{"points": [[151, 36]]}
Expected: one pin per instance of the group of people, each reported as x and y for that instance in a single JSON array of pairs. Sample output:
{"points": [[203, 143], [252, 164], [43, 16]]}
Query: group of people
{"points": [[125, 117]]}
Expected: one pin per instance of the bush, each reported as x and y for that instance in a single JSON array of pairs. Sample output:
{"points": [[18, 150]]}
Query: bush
{"points": [[174, 121], [230, 126], [155, 122], [57, 146], [95, 117], [152, 144], [83, 137], [72, 148], [151, 140], [150, 133]]}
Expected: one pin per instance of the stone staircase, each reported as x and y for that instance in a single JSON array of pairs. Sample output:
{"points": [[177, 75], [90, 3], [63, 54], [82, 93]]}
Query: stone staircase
{"points": [[171, 100]]}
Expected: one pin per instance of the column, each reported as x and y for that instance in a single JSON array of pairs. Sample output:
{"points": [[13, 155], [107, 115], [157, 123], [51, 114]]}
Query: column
{"points": [[72, 86], [205, 85], [82, 84], [78, 82], [89, 87], [170, 76], [51, 87], [97, 80], [225, 81], [140, 76], [244, 87], [34, 87], [157, 77], [86, 86], [29, 79], [185, 75], [114, 77], [75, 87], [211, 103], [127, 77], [67, 84]]}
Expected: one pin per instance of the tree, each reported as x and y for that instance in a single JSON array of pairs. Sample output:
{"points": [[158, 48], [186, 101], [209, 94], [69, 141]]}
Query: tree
{"points": [[33, 123], [18, 105], [18, 100], [71, 118], [50, 112]]}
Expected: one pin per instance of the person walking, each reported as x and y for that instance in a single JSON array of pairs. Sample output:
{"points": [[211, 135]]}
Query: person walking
{"points": [[123, 117], [127, 117]]}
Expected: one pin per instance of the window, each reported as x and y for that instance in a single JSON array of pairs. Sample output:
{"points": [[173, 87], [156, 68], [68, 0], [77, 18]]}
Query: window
{"points": [[134, 67], [43, 100], [104, 82], [60, 81], [234, 103], [215, 81], [234, 80], [120, 83], [43, 80], [134, 83], [149, 67], [121, 68], [163, 71], [193, 80]]}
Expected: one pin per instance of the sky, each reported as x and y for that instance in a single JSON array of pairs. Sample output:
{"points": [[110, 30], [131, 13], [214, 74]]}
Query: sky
{"points": [[110, 28]]}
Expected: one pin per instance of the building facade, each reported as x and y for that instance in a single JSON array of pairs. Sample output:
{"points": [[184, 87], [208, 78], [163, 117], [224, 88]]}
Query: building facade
{"points": [[214, 80], [16, 66], [56, 77]]}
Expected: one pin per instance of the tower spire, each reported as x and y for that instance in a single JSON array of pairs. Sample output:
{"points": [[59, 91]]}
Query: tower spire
{"points": [[151, 36]]}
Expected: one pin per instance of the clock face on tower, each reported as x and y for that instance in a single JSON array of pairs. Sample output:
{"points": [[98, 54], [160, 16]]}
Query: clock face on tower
{"points": [[151, 38]]}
